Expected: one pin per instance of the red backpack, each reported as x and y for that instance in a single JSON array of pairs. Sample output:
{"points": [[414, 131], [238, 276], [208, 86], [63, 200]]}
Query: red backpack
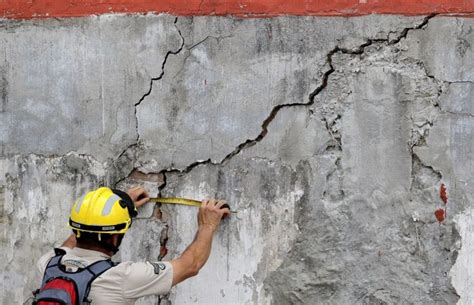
{"points": [[68, 288]]}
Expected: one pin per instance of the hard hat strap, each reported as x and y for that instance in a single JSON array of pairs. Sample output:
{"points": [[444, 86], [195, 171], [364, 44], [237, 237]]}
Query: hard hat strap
{"points": [[97, 229], [126, 202]]}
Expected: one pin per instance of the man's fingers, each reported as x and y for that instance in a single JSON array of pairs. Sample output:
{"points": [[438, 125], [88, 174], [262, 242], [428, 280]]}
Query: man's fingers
{"points": [[142, 201], [204, 203], [143, 193], [225, 212], [219, 206], [220, 203], [212, 202], [136, 192]]}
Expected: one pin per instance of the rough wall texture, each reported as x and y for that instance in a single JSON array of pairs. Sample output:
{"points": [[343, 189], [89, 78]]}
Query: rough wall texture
{"points": [[329, 136]]}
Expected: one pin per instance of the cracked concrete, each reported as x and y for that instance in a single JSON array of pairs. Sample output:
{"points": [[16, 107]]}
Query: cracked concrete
{"points": [[193, 80], [83, 78], [329, 136]]}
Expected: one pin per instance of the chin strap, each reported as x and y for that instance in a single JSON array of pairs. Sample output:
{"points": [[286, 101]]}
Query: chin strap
{"points": [[126, 202]]}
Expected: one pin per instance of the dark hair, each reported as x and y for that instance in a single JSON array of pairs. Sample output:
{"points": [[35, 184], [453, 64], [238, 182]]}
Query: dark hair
{"points": [[103, 240]]}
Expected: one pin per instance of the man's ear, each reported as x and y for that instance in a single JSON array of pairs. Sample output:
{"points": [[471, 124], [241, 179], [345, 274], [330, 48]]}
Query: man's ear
{"points": [[115, 240]]}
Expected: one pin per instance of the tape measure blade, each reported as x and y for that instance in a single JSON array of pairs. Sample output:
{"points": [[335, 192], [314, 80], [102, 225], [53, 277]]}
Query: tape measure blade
{"points": [[182, 201]]}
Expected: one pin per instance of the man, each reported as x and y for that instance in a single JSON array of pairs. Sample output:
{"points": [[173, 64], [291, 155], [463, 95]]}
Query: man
{"points": [[99, 221]]}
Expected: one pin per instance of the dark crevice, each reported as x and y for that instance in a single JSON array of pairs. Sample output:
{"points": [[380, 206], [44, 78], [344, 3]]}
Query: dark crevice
{"points": [[416, 168], [406, 30], [163, 241]]}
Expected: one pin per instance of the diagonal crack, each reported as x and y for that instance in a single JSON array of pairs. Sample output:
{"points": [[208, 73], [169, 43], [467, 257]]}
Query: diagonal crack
{"points": [[358, 51]]}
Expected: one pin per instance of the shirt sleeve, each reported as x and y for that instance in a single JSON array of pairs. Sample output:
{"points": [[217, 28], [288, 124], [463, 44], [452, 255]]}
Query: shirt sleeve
{"points": [[147, 278]]}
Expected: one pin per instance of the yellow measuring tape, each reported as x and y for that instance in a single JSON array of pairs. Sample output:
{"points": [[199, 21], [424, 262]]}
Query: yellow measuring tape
{"points": [[181, 201]]}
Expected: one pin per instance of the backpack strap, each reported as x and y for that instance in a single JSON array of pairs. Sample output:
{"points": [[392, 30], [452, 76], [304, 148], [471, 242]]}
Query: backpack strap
{"points": [[96, 269], [53, 262], [54, 295]]}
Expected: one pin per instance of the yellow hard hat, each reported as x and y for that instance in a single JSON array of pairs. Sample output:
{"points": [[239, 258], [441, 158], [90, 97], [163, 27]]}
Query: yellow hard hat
{"points": [[102, 211]]}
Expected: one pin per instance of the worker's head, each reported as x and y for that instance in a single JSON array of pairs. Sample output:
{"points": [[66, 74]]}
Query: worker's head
{"points": [[101, 217]]}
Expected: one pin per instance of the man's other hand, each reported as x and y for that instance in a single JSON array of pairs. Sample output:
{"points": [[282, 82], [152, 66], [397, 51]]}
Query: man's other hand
{"points": [[139, 196], [211, 213]]}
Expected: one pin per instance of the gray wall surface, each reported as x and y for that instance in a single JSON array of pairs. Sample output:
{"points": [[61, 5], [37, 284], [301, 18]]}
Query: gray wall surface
{"points": [[330, 136]]}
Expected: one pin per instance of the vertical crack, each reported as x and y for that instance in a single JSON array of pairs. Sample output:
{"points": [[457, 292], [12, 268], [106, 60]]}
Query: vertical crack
{"points": [[136, 144], [159, 77]]}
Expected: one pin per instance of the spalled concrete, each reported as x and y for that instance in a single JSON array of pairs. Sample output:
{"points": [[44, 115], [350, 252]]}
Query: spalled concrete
{"points": [[330, 137]]}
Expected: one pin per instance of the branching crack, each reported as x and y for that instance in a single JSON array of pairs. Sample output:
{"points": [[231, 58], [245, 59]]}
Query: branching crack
{"points": [[159, 77], [268, 120], [136, 144]]}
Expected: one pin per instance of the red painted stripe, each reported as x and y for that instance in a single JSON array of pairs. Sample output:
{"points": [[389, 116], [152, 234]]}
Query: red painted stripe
{"points": [[25, 9]]}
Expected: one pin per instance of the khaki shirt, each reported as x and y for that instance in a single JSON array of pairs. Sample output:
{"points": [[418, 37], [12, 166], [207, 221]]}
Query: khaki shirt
{"points": [[120, 285]]}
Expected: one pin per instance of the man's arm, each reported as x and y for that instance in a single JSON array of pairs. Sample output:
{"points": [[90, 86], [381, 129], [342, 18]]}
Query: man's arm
{"points": [[197, 253]]}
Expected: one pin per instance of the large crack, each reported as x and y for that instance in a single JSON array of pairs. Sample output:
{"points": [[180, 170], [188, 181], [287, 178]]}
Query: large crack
{"points": [[274, 112], [329, 59]]}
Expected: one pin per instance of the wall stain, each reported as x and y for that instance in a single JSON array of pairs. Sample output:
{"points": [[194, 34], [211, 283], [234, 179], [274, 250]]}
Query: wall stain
{"points": [[3, 88]]}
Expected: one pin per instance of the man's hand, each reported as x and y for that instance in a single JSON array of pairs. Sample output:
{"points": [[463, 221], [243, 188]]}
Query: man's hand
{"points": [[210, 213], [139, 196]]}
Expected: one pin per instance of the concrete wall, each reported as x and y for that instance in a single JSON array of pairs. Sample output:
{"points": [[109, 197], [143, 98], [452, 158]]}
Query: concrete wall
{"points": [[330, 136]]}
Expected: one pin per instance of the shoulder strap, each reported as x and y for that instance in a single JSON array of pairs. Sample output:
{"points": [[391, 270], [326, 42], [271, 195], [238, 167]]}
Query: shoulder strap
{"points": [[53, 262], [95, 270], [100, 267]]}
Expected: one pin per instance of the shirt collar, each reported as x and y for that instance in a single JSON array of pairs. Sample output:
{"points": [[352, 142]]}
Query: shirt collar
{"points": [[88, 253]]}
